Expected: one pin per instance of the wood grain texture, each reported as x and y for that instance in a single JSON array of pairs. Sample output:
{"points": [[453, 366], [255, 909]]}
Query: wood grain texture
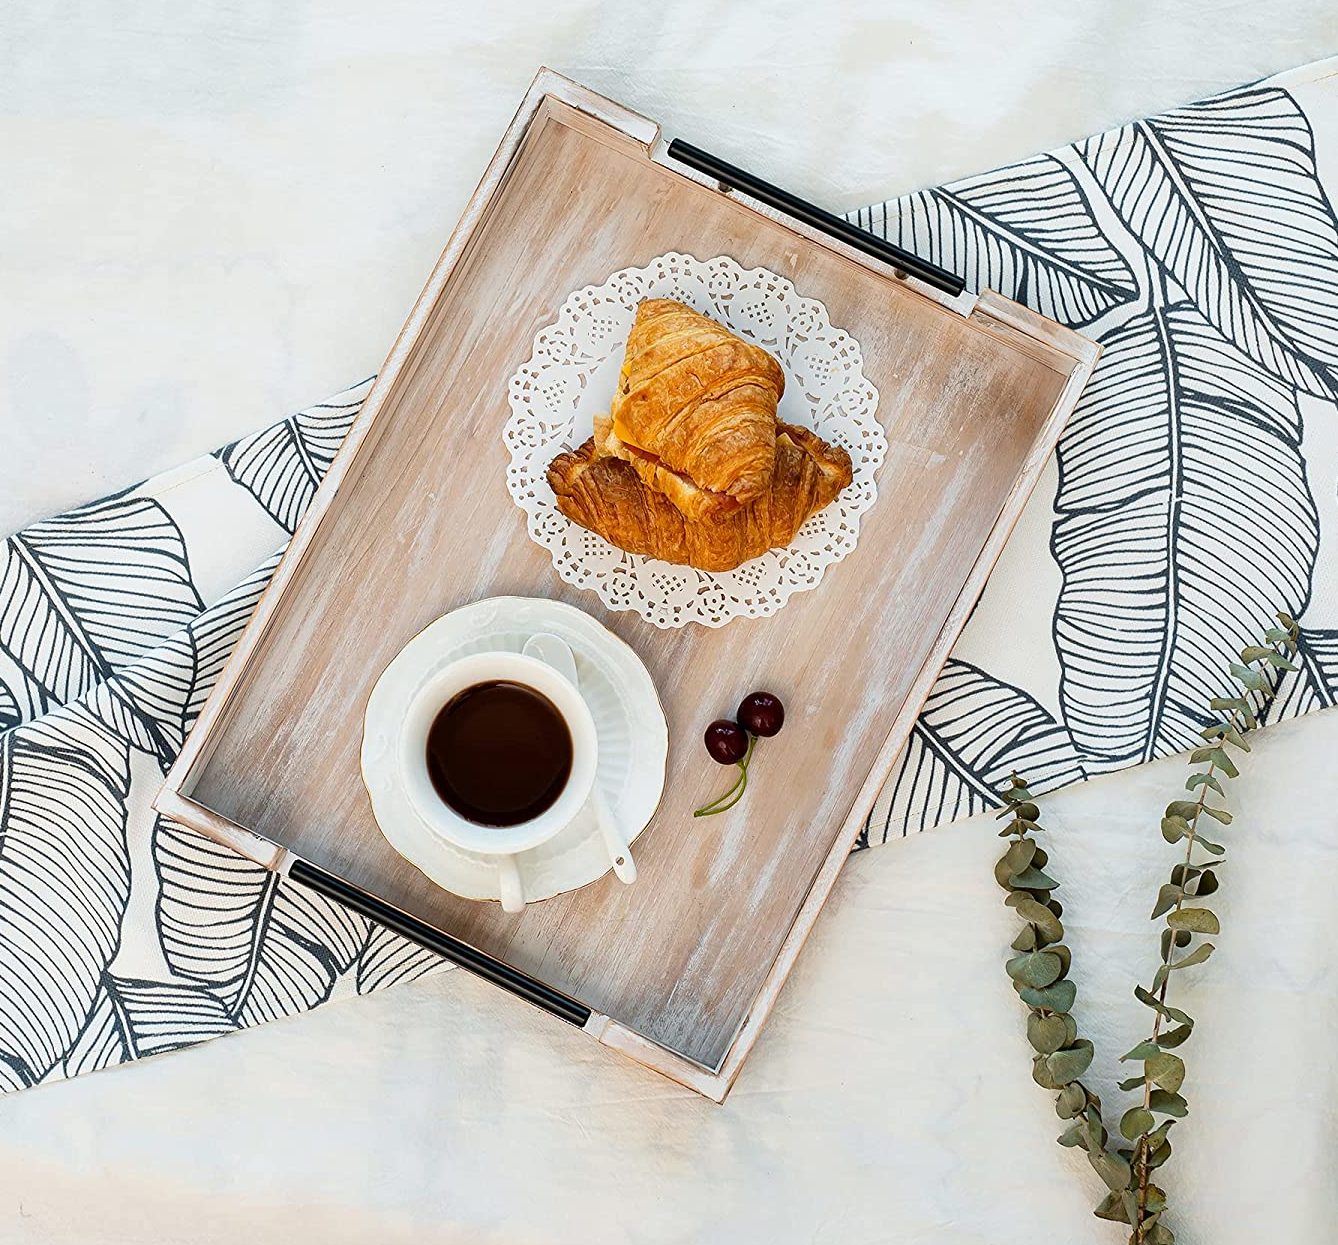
{"points": [[422, 522]]}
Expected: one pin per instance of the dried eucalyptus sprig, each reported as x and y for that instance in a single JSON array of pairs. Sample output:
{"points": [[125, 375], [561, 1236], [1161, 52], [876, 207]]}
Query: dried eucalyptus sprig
{"points": [[1187, 917], [1040, 970], [1039, 973]]}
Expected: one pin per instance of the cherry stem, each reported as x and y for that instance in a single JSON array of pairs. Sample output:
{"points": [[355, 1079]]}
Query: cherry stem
{"points": [[731, 797]]}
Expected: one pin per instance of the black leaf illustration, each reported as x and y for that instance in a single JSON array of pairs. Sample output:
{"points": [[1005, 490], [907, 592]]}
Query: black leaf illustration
{"points": [[131, 1018], [390, 958], [281, 466], [266, 947], [10, 714], [1184, 521], [154, 702], [972, 733], [88, 592], [1026, 230], [1225, 195], [64, 883]]}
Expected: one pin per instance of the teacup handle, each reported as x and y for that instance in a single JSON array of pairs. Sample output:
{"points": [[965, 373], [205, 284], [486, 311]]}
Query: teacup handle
{"points": [[509, 887]]}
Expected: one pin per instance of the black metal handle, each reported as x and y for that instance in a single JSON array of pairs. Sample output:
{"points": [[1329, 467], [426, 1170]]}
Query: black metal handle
{"points": [[461, 953], [816, 217]]}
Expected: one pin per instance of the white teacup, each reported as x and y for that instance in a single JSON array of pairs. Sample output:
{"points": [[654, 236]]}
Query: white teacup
{"points": [[502, 842]]}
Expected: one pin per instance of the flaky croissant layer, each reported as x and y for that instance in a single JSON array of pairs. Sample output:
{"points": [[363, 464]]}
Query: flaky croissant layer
{"points": [[606, 495], [695, 411]]}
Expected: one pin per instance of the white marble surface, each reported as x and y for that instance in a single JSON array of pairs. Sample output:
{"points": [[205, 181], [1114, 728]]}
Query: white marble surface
{"points": [[216, 213]]}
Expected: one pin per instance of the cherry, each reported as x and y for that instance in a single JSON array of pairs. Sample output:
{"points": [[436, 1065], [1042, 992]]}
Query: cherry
{"points": [[726, 741], [762, 714]]}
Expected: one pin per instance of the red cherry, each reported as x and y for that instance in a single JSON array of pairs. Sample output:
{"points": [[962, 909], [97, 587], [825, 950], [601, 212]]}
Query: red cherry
{"points": [[726, 742], [762, 714]]}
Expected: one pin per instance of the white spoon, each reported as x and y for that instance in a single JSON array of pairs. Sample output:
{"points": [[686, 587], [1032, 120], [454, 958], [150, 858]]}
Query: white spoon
{"points": [[555, 652]]}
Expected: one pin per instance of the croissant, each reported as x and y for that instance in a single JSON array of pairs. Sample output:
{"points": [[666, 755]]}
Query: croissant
{"points": [[695, 411], [607, 496]]}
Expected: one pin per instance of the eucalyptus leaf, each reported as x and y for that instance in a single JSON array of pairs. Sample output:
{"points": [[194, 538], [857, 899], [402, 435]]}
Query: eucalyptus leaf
{"points": [[1167, 897], [1041, 1074], [1197, 956], [1020, 854], [1280, 662], [1055, 998], [1034, 968], [1182, 937], [1173, 829], [1254, 652], [1144, 1050], [1247, 677], [1071, 1102], [1159, 978], [1068, 1065], [1159, 1134], [1065, 957], [1166, 1070], [1113, 1169], [1155, 1199], [1026, 939], [1135, 1122], [1208, 845], [1032, 880], [1196, 920], [1195, 781], [1073, 1135], [1182, 808], [1174, 1037], [1047, 1034], [1161, 1235], [1171, 1013], [1002, 872], [1132, 1082], [1207, 883], [1165, 1102], [1047, 924], [1026, 811], [1112, 1208]]}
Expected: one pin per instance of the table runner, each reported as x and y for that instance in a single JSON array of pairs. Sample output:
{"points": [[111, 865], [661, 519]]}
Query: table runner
{"points": [[1193, 493]]}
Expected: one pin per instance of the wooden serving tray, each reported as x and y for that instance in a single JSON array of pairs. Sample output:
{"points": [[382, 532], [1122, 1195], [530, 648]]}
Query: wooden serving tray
{"points": [[414, 519]]}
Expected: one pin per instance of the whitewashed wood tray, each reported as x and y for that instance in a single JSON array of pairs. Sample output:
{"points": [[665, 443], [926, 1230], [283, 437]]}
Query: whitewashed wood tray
{"points": [[414, 519]]}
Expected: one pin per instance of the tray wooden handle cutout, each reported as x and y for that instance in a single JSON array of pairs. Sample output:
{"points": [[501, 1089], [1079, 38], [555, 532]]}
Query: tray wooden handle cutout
{"points": [[414, 519]]}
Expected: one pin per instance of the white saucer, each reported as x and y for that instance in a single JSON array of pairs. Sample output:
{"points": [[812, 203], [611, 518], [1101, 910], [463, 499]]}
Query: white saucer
{"points": [[633, 744]]}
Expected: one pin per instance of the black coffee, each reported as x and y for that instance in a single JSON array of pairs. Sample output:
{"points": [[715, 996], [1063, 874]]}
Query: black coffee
{"points": [[499, 753]]}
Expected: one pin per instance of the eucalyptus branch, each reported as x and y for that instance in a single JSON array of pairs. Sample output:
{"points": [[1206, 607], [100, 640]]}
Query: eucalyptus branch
{"points": [[1194, 878], [1040, 970], [1039, 973]]}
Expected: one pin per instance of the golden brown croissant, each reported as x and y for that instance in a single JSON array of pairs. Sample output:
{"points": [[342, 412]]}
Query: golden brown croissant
{"points": [[695, 411], [607, 496]]}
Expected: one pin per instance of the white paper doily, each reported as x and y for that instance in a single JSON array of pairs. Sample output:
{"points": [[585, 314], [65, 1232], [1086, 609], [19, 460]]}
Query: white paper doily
{"points": [[573, 374]]}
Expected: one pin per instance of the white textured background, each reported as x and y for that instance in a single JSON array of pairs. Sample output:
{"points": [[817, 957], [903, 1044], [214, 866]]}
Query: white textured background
{"points": [[214, 214]]}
